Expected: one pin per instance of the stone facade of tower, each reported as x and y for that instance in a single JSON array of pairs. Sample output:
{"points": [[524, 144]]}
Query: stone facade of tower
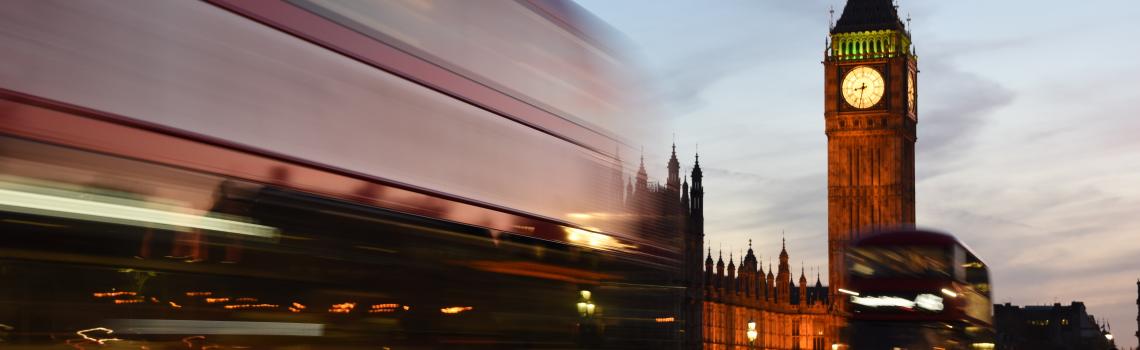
{"points": [[870, 116]]}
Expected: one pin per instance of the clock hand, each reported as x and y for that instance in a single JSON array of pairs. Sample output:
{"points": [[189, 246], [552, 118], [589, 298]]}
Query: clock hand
{"points": [[862, 90]]}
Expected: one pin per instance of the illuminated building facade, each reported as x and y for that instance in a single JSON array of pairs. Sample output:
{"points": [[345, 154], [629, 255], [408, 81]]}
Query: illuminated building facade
{"points": [[721, 302], [787, 314]]}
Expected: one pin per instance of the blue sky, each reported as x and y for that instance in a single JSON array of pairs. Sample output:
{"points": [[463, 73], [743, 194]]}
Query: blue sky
{"points": [[1028, 129]]}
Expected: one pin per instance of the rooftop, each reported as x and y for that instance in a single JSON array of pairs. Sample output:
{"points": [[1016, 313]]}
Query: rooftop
{"points": [[866, 15]]}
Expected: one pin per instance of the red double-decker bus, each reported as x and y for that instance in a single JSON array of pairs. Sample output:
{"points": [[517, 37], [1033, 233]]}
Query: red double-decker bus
{"points": [[917, 289], [316, 174]]}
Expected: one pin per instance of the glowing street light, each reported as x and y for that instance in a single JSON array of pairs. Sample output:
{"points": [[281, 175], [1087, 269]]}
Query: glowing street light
{"points": [[586, 306]]}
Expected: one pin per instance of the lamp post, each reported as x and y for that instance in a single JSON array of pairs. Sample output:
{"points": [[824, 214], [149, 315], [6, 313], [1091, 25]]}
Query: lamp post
{"points": [[588, 328], [751, 333], [586, 306]]}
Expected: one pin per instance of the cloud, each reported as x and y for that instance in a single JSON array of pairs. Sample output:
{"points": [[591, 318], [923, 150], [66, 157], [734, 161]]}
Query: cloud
{"points": [[792, 205], [961, 104], [727, 174], [684, 80]]}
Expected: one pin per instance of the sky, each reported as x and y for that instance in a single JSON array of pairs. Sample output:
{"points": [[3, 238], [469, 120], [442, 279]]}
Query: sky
{"points": [[1028, 136]]}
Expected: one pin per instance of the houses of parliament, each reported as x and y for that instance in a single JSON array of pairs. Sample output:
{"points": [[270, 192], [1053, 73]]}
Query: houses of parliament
{"points": [[870, 120]]}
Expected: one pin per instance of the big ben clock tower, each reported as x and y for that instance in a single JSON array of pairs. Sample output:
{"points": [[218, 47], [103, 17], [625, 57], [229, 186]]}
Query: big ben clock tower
{"points": [[870, 72]]}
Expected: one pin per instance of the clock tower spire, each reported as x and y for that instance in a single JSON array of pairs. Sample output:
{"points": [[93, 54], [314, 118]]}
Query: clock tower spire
{"points": [[870, 122]]}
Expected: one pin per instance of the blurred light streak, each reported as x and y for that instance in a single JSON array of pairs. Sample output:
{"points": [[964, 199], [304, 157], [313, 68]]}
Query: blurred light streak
{"points": [[882, 301], [199, 294], [296, 307], [925, 301], [212, 327], [128, 301], [544, 271], [251, 306], [33, 223], [863, 269], [664, 319], [100, 341], [593, 239], [930, 302], [71, 206], [384, 308], [112, 294], [455, 309], [189, 343], [342, 308]]}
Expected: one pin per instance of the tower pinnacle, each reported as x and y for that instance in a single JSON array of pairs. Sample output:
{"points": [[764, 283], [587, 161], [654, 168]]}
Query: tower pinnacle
{"points": [[673, 182], [642, 176], [868, 15]]}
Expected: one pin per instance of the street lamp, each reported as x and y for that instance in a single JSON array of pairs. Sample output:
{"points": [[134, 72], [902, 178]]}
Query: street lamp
{"points": [[588, 327], [586, 306], [751, 333]]}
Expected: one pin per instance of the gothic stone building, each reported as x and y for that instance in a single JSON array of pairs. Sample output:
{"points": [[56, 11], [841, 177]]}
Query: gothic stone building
{"points": [[787, 314], [720, 302], [663, 212]]}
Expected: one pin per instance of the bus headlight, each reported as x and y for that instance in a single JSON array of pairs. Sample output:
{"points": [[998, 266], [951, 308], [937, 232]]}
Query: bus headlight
{"points": [[928, 301]]}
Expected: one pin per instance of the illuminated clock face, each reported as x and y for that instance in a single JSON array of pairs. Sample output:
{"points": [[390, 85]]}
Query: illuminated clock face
{"points": [[863, 87], [910, 93]]}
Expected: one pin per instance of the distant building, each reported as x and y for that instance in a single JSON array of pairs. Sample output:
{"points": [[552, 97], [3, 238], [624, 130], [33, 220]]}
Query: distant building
{"points": [[1049, 327]]}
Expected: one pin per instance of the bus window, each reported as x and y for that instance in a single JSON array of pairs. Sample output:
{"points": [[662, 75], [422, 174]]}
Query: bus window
{"points": [[959, 263], [893, 262]]}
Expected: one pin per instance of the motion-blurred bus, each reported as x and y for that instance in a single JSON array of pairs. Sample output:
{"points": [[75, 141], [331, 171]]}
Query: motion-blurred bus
{"points": [[320, 174], [917, 290]]}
